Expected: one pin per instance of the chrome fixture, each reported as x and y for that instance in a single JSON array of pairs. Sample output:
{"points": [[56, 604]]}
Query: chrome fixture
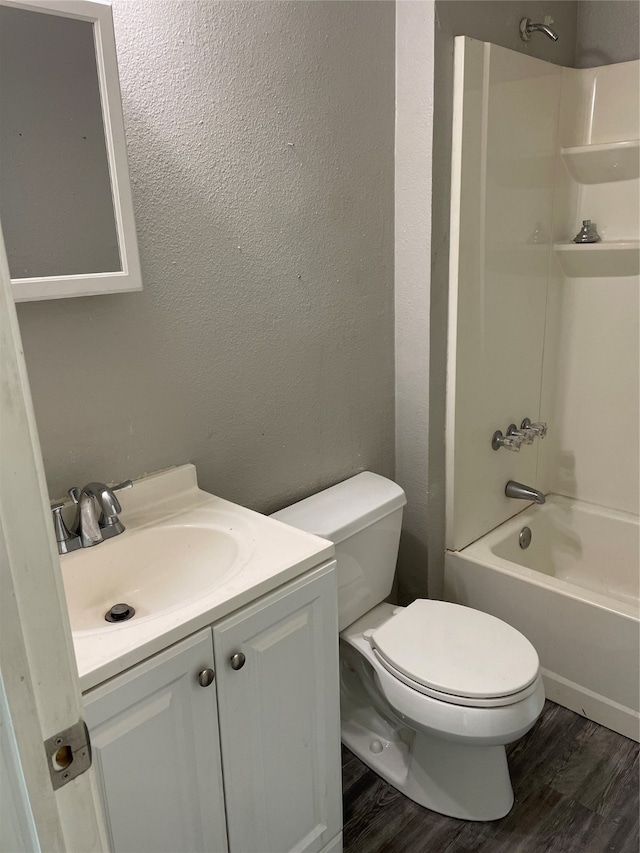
{"points": [[524, 538], [526, 435], [523, 493], [587, 234], [206, 677], [97, 512], [515, 438], [237, 661], [509, 442], [527, 28], [66, 540], [536, 430]]}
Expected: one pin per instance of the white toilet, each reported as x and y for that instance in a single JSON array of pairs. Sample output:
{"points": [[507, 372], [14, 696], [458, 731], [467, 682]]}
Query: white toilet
{"points": [[432, 692]]}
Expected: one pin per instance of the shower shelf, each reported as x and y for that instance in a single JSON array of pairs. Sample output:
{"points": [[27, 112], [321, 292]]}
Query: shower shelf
{"points": [[604, 163], [615, 258]]}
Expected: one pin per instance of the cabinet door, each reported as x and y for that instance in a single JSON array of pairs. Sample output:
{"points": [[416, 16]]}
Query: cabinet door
{"points": [[154, 734], [280, 719]]}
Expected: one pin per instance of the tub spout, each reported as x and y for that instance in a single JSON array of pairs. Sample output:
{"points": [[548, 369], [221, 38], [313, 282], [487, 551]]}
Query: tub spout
{"points": [[523, 493]]}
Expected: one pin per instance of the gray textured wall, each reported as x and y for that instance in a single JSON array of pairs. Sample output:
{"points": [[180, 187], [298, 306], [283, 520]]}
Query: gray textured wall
{"points": [[422, 554], [608, 32], [261, 349]]}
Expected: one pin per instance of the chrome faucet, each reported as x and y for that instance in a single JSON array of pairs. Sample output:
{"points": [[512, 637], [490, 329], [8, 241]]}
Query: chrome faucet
{"points": [[527, 28], [97, 512], [523, 493]]}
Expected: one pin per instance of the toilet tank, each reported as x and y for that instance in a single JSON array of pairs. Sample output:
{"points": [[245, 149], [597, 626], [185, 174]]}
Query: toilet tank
{"points": [[362, 516]]}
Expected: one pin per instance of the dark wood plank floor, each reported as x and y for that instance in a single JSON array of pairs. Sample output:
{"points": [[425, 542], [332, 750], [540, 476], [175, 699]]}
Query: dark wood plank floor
{"points": [[576, 786]]}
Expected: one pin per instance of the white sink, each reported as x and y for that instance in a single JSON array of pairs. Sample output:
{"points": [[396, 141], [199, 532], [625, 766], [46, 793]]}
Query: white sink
{"points": [[156, 568], [186, 559]]}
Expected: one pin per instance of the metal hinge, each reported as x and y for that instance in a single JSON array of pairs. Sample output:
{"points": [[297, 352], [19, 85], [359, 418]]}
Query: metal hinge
{"points": [[68, 754]]}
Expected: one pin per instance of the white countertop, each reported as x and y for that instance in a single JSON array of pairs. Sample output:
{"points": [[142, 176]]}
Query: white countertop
{"points": [[273, 553]]}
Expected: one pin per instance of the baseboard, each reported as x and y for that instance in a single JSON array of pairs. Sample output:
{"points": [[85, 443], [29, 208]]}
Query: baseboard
{"points": [[334, 846], [593, 706]]}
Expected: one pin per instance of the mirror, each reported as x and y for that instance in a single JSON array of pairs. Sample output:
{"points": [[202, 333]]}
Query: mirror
{"points": [[65, 197]]}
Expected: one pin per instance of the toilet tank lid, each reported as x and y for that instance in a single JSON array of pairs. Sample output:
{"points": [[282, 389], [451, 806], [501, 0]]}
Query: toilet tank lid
{"points": [[344, 509]]}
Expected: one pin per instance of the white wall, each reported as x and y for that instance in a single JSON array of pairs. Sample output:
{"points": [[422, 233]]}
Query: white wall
{"points": [[260, 140]]}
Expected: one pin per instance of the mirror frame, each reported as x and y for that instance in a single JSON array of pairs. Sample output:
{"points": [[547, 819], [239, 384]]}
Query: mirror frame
{"points": [[97, 12]]}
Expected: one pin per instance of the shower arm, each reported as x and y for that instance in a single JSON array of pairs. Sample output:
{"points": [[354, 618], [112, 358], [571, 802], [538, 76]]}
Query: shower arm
{"points": [[527, 28]]}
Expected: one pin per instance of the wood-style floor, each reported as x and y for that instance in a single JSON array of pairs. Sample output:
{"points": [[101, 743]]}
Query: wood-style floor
{"points": [[576, 787]]}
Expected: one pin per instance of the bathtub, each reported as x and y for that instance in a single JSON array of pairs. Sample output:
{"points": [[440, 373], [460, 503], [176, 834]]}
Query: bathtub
{"points": [[574, 593]]}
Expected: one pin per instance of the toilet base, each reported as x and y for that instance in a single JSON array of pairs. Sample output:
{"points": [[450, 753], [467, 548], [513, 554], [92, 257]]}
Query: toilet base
{"points": [[456, 779], [467, 782]]}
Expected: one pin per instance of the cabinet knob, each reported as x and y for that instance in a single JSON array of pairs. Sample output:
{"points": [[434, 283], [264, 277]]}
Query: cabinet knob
{"points": [[237, 660], [205, 678]]}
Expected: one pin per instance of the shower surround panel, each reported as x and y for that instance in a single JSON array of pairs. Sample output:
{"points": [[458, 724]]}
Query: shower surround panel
{"points": [[545, 329]]}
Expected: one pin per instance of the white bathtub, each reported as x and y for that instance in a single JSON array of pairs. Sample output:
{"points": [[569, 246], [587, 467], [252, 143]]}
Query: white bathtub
{"points": [[574, 593]]}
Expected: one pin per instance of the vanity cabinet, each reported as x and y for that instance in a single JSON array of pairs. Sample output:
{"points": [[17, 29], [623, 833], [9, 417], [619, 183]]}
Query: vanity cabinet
{"points": [[156, 749], [280, 720], [260, 744]]}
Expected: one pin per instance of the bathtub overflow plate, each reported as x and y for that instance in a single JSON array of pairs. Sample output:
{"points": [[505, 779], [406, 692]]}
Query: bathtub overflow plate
{"points": [[525, 537]]}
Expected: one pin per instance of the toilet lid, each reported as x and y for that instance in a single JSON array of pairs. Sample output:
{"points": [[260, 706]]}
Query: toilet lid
{"points": [[457, 650]]}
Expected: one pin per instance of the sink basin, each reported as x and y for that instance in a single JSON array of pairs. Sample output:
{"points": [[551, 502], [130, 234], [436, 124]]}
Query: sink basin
{"points": [[185, 560], [154, 569]]}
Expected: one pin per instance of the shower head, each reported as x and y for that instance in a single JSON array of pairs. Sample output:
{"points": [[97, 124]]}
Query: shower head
{"points": [[527, 27]]}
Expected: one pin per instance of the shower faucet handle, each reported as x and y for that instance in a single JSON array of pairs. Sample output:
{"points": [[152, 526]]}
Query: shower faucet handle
{"points": [[538, 429], [526, 435], [509, 442]]}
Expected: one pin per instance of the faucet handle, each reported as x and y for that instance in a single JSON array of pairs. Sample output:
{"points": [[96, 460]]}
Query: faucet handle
{"points": [[537, 429], [65, 540], [526, 435], [509, 442], [110, 524]]}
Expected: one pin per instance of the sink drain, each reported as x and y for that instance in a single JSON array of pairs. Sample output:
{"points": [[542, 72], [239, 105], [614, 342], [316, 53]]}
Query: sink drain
{"points": [[120, 613]]}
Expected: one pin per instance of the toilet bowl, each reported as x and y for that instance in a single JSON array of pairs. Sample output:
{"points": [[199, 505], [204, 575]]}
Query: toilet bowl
{"points": [[445, 751], [431, 693]]}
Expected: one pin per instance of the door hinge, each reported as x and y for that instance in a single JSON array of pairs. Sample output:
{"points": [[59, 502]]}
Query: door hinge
{"points": [[68, 754]]}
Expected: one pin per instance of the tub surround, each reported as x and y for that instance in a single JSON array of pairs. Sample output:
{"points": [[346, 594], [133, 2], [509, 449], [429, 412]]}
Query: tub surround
{"points": [[591, 372], [505, 129], [483, 21], [540, 327], [527, 338]]}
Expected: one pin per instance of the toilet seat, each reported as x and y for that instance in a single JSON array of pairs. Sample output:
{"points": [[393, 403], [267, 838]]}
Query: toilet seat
{"points": [[456, 654], [476, 724], [450, 698]]}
